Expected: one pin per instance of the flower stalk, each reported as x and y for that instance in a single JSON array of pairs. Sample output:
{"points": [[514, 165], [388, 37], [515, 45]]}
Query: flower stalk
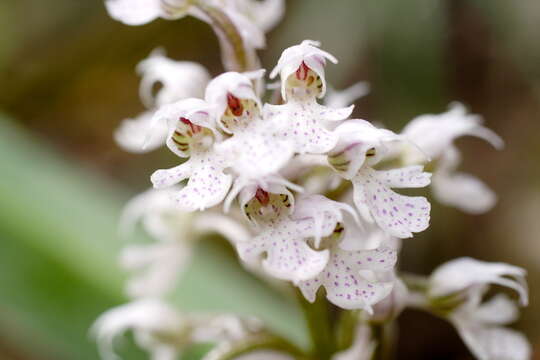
{"points": [[234, 53], [318, 319]]}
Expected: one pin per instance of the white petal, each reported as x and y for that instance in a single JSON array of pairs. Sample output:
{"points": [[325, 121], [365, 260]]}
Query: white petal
{"points": [[498, 310], [234, 83], [207, 186], [434, 133], [356, 138], [258, 153], [292, 58], [346, 97], [250, 32], [132, 134], [391, 306], [179, 79], [134, 12], [265, 14], [226, 226], [362, 236], [459, 274], [146, 316], [288, 256], [325, 213], [396, 214], [165, 178], [494, 343], [407, 177], [158, 267], [302, 124], [464, 192], [345, 286]]}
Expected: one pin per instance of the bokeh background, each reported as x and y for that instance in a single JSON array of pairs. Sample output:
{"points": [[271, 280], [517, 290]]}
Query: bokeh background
{"points": [[67, 79]]}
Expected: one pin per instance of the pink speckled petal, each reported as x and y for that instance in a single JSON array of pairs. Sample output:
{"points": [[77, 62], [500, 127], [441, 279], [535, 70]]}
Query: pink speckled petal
{"points": [[256, 154], [288, 256], [407, 177], [302, 124], [165, 178], [207, 186], [396, 214], [345, 287]]}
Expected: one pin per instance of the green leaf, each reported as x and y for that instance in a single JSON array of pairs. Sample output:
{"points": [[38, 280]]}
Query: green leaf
{"points": [[58, 249]]}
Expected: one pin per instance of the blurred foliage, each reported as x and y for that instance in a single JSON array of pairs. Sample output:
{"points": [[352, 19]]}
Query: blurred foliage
{"points": [[67, 75], [58, 226]]}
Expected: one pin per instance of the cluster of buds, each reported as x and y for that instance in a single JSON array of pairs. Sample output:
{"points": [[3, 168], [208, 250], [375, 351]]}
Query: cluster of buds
{"points": [[303, 193]]}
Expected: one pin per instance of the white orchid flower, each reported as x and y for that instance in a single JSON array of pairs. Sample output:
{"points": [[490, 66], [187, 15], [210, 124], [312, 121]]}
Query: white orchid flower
{"points": [[285, 229], [179, 80], [434, 135], [361, 146], [464, 273], [163, 331], [192, 134], [254, 149], [481, 323], [301, 119]]}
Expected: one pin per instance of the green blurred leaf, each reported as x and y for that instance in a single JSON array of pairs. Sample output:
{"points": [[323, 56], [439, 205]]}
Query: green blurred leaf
{"points": [[58, 272]]}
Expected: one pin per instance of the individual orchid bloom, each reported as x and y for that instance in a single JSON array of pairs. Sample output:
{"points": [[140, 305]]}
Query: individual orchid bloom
{"points": [[459, 276], [224, 16], [163, 331], [362, 146], [481, 326], [254, 149], [434, 135], [285, 230], [354, 279], [155, 268], [132, 134], [140, 12], [265, 14], [157, 328], [192, 134], [179, 79], [301, 119]]}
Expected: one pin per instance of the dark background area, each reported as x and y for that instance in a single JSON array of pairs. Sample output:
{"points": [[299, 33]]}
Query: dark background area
{"points": [[67, 79]]}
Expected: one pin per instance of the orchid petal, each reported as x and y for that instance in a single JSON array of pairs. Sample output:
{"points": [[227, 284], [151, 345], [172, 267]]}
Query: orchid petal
{"points": [[345, 286], [179, 79], [144, 316], [460, 274], [288, 256], [494, 343], [434, 133], [131, 135], [396, 214], [165, 178], [300, 124], [159, 266], [134, 12]]}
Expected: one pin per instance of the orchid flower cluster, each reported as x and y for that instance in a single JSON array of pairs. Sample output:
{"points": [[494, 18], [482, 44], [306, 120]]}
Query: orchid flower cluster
{"points": [[305, 195]]}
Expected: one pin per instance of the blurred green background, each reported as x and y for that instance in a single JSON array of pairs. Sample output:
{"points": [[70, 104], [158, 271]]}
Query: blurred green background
{"points": [[67, 78]]}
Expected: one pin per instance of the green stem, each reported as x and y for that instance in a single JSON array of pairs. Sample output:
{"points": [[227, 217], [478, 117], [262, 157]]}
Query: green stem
{"points": [[319, 325], [234, 53], [254, 343], [383, 334], [346, 329]]}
